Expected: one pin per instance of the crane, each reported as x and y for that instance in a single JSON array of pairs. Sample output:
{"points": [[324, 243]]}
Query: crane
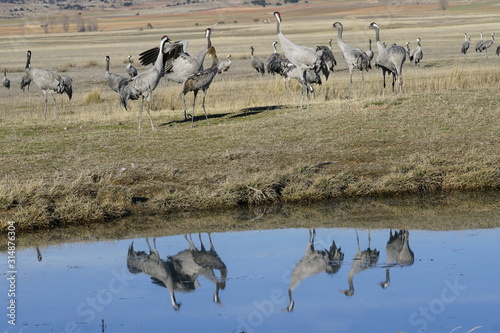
{"points": [[465, 44], [48, 81], [131, 70], [114, 80], [5, 80], [257, 64], [354, 57], [144, 84], [200, 81], [301, 56], [390, 60]]}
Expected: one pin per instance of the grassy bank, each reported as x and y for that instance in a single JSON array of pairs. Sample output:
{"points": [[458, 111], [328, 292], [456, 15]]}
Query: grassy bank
{"points": [[92, 165]]}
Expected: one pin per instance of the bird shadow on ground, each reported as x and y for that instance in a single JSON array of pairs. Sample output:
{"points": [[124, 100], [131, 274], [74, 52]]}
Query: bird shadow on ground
{"points": [[196, 119], [242, 113], [256, 110]]}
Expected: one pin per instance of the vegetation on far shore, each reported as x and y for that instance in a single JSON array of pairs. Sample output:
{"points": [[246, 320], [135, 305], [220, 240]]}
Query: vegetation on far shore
{"points": [[92, 165]]}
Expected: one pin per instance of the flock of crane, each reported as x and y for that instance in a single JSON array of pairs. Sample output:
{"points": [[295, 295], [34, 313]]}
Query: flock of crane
{"points": [[171, 60]]}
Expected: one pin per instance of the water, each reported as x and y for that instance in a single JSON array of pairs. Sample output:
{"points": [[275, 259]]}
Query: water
{"points": [[449, 283]]}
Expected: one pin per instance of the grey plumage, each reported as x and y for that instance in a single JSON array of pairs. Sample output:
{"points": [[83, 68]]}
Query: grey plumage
{"points": [[498, 51], [370, 52], [465, 44], [311, 77], [398, 252], [327, 60], [144, 83], [5, 80], [301, 56], [417, 54], [257, 64], [479, 42], [151, 264], [312, 263], [48, 81], [409, 50], [276, 64], [390, 60], [485, 45], [113, 79], [224, 65], [363, 260], [180, 65], [200, 81], [25, 82], [209, 260], [131, 70], [354, 57]]}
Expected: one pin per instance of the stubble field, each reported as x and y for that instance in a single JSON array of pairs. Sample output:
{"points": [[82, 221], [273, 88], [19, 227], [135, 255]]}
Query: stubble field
{"points": [[91, 164]]}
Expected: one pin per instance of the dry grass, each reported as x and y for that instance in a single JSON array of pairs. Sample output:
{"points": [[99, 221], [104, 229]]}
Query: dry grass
{"points": [[91, 164]]}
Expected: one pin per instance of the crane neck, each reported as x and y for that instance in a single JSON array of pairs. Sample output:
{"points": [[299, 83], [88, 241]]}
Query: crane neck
{"points": [[159, 60], [278, 23], [28, 61], [274, 47], [215, 60], [107, 65]]}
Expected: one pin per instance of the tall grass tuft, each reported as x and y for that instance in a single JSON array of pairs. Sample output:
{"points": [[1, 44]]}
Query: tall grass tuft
{"points": [[93, 97]]}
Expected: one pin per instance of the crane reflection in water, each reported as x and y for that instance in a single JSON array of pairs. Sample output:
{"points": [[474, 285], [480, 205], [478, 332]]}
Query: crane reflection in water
{"points": [[180, 272]]}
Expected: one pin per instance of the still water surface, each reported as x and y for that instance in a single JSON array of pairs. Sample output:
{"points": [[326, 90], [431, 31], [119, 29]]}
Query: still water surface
{"points": [[288, 280]]}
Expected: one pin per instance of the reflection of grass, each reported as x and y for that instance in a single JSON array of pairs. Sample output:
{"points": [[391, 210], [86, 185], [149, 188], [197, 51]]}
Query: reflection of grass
{"points": [[433, 212], [92, 165]]}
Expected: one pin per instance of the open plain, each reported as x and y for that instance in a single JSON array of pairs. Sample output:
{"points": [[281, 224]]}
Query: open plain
{"points": [[91, 164]]}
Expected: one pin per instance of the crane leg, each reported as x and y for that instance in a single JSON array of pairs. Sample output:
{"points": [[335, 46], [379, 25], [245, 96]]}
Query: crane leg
{"points": [[140, 113], [183, 101], [350, 84], [149, 114], [194, 102], [55, 106], [362, 85], [45, 105], [203, 104]]}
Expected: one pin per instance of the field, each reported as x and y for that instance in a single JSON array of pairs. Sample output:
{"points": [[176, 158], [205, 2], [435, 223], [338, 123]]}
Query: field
{"points": [[89, 163]]}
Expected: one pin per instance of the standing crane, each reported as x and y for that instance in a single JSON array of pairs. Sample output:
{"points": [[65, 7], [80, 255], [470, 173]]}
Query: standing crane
{"points": [[417, 54], [144, 83], [114, 80], [131, 70], [25, 82], [276, 64], [301, 56], [48, 81], [479, 42], [465, 44], [487, 43], [200, 81], [257, 64], [409, 51], [5, 80], [390, 60], [180, 64], [224, 65], [354, 57], [370, 52]]}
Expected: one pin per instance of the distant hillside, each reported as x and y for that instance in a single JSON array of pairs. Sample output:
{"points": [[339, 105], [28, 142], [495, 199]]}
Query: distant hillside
{"points": [[37, 8]]}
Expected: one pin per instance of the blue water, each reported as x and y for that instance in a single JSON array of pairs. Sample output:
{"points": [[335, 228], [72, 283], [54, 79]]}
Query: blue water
{"points": [[87, 287]]}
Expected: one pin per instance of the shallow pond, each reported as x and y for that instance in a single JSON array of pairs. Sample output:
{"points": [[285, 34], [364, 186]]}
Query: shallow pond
{"points": [[277, 280]]}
